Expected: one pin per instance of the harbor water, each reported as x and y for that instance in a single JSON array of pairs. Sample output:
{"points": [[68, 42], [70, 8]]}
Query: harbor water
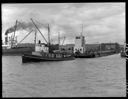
{"points": [[96, 77]]}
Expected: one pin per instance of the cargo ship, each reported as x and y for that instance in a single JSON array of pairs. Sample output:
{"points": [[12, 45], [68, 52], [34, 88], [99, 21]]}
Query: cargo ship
{"points": [[25, 48], [12, 47], [43, 52]]}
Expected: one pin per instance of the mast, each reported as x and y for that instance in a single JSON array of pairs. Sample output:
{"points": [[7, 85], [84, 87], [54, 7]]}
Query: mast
{"points": [[82, 38], [15, 29], [82, 31], [35, 37], [81, 35], [59, 40], [49, 37], [48, 34], [12, 41]]}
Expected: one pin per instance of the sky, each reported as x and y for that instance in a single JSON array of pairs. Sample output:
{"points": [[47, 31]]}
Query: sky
{"points": [[102, 22]]}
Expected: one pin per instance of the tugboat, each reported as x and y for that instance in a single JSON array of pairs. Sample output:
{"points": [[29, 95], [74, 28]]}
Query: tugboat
{"points": [[79, 48], [43, 51]]}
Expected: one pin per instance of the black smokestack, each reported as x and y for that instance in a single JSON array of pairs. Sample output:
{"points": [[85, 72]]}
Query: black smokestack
{"points": [[9, 30]]}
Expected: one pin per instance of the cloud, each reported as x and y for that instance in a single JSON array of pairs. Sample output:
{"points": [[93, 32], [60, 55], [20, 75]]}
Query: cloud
{"points": [[102, 21]]}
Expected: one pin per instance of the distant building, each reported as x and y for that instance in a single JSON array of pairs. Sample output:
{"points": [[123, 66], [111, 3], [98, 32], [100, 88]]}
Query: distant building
{"points": [[110, 46], [67, 48], [94, 47], [103, 47], [41, 47]]}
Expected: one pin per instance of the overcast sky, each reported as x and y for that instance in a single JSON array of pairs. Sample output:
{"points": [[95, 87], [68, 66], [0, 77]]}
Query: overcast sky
{"points": [[102, 22]]}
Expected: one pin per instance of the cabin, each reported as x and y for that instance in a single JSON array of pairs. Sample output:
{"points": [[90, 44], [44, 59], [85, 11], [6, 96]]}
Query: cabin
{"points": [[41, 47], [79, 44]]}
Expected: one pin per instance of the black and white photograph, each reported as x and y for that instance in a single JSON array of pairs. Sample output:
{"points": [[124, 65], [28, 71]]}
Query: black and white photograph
{"points": [[64, 49]]}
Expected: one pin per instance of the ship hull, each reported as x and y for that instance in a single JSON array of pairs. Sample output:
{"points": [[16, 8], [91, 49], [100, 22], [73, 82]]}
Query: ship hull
{"points": [[99, 54], [33, 58], [84, 56], [17, 51]]}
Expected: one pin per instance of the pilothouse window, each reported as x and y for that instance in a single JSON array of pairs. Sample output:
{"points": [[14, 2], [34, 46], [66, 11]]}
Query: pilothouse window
{"points": [[77, 37]]}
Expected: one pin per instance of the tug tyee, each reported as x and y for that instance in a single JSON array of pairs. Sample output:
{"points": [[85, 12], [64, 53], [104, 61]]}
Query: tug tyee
{"points": [[44, 52]]}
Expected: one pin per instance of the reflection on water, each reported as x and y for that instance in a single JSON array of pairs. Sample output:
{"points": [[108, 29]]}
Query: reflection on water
{"points": [[97, 77]]}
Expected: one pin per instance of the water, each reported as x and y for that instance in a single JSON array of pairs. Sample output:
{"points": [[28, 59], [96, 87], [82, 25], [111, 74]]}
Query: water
{"points": [[97, 77]]}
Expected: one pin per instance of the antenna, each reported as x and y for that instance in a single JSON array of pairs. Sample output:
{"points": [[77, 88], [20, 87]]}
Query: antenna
{"points": [[15, 29], [14, 34], [49, 38], [58, 38], [82, 30], [48, 34], [35, 37]]}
